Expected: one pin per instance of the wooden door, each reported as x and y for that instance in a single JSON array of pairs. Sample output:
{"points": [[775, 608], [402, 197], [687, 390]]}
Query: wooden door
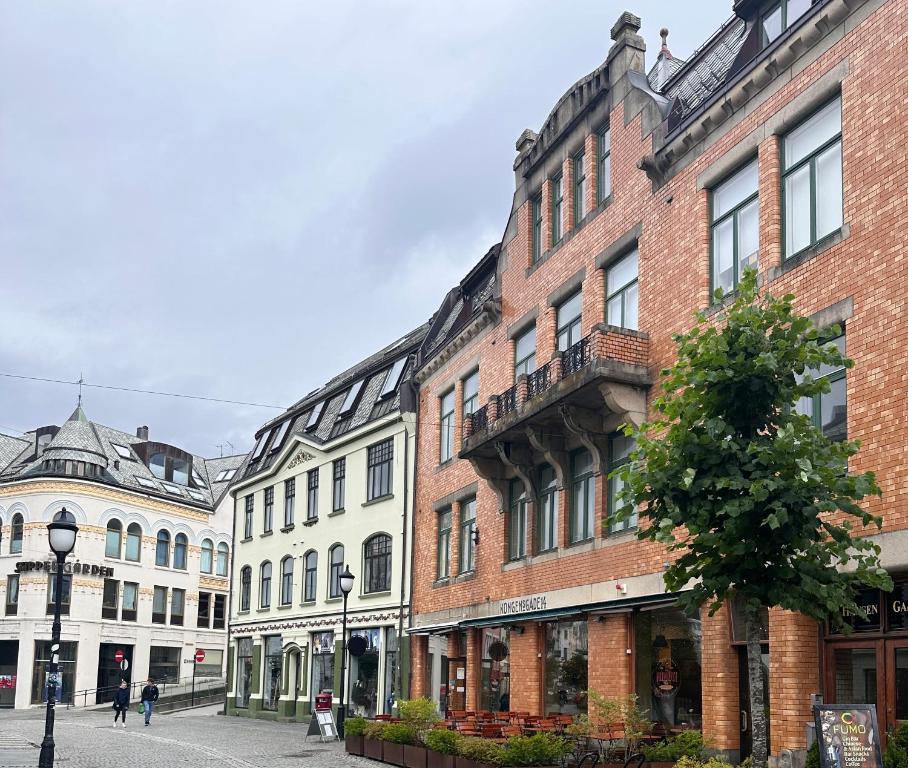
{"points": [[896, 683]]}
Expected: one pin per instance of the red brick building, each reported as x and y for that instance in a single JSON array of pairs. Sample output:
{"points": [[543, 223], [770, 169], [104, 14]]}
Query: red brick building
{"points": [[781, 143]]}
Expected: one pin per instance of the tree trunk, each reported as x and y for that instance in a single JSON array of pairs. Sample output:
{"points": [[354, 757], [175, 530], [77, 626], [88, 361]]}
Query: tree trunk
{"points": [[758, 724]]}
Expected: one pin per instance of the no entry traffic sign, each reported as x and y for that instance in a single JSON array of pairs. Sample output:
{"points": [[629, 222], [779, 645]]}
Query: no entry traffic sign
{"points": [[119, 656], [199, 656]]}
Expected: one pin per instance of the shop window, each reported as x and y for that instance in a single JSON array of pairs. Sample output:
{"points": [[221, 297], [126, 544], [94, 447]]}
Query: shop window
{"points": [[134, 543], [568, 324], [220, 612], [812, 179], [310, 580], [547, 511], [446, 434], [114, 540], [273, 656], [289, 501], [391, 660], [243, 672], [495, 672], [245, 587], [180, 551], [668, 652], [66, 669], [223, 559], [177, 606], [207, 556], [583, 497], [213, 666], [377, 564], [566, 667], [337, 566], [322, 663], [268, 517], [517, 520], [163, 663], [12, 595], [621, 292], [339, 475], [162, 549], [203, 619], [364, 674], [525, 353], [380, 459], [829, 411], [735, 213], [467, 531], [247, 516], [65, 594], [443, 547], [287, 580], [110, 600], [265, 585], [15, 534], [159, 606], [312, 494], [619, 451]]}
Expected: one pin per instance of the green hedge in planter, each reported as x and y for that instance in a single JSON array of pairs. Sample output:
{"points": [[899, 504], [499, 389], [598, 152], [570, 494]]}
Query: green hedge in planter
{"points": [[355, 726], [686, 744], [399, 733], [446, 742], [540, 749]]}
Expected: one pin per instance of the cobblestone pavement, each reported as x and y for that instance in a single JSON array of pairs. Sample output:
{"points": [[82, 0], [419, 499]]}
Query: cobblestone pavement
{"points": [[87, 740]]}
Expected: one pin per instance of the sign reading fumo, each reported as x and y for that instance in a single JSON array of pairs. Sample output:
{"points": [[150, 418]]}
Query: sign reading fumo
{"points": [[848, 736]]}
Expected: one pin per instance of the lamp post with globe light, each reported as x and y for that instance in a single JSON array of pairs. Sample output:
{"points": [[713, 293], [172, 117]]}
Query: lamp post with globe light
{"points": [[346, 584], [61, 532]]}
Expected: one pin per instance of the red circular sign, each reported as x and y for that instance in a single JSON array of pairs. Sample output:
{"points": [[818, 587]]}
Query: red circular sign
{"points": [[199, 656], [119, 656]]}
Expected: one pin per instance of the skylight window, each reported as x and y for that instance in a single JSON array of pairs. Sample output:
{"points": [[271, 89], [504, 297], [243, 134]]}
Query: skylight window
{"points": [[197, 496], [123, 452], [352, 397], [314, 416], [281, 434], [224, 475], [393, 378], [197, 478], [230, 474], [145, 482], [171, 488], [260, 446]]}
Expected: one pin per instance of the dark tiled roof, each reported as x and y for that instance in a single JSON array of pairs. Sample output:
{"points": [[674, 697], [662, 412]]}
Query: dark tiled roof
{"points": [[663, 70]]}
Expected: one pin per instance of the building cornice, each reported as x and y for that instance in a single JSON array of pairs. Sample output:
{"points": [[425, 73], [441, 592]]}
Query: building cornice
{"points": [[490, 314]]}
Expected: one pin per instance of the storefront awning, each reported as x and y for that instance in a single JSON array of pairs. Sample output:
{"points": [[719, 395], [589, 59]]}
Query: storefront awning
{"points": [[429, 629]]}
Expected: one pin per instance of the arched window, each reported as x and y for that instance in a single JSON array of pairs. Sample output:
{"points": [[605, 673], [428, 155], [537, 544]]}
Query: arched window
{"points": [[265, 585], [162, 549], [223, 558], [180, 548], [15, 534], [114, 542], [245, 587], [134, 542], [207, 556], [377, 563], [337, 566], [311, 576], [287, 580]]}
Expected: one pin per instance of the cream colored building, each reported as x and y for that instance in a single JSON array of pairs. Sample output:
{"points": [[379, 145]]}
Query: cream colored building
{"points": [[149, 575], [328, 484]]}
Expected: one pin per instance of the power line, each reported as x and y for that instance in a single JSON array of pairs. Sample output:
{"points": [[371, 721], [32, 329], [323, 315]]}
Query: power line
{"points": [[81, 383]]}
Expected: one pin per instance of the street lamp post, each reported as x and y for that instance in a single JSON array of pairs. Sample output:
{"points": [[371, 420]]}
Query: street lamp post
{"points": [[346, 584], [61, 532]]}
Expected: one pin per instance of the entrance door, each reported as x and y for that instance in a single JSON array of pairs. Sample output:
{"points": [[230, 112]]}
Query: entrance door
{"points": [[456, 679], [744, 698], [896, 683], [9, 663], [109, 672]]}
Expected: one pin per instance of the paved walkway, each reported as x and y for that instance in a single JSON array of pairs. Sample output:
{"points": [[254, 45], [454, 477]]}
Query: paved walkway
{"points": [[198, 738]]}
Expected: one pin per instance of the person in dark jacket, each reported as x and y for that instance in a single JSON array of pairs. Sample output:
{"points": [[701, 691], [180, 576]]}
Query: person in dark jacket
{"points": [[121, 703], [149, 697]]}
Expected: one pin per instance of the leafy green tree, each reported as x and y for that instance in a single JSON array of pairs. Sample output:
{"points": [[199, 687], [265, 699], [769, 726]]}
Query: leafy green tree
{"points": [[754, 499]]}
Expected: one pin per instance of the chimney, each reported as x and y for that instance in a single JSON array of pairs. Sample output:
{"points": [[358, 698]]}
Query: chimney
{"points": [[627, 53], [142, 432], [525, 141]]}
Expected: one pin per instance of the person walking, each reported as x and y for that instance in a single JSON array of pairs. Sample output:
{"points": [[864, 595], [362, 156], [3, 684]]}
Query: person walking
{"points": [[149, 697], [121, 703]]}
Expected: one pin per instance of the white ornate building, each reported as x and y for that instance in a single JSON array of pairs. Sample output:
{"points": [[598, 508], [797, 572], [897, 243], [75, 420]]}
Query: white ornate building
{"points": [[149, 575]]}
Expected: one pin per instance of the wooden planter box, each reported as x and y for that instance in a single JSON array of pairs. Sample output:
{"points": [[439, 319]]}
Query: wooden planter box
{"points": [[372, 748], [415, 756], [393, 753], [439, 760], [354, 744]]}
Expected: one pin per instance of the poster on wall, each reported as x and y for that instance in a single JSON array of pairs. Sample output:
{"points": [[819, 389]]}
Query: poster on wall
{"points": [[848, 736]]}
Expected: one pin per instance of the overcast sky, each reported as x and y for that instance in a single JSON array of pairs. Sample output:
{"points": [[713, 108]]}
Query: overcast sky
{"points": [[241, 199]]}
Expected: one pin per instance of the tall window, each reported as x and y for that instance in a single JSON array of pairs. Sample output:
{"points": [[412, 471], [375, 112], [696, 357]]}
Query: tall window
{"points": [[569, 322], [131, 601], [517, 520], [547, 511], [735, 227], [781, 16], [12, 595], [243, 672], [180, 549], [377, 563], [114, 540], [583, 496], [247, 519], [467, 527], [162, 549], [265, 585], [134, 542], [443, 549], [64, 595], [245, 588], [220, 612], [110, 599], [203, 619], [159, 606], [339, 473], [311, 576], [312, 494], [621, 292], [223, 558], [287, 580], [206, 561], [470, 394], [812, 179], [446, 442], [380, 460], [579, 187], [536, 215], [604, 161], [337, 567], [557, 209], [289, 501], [15, 534], [619, 451], [268, 518], [525, 352], [829, 411], [177, 606]]}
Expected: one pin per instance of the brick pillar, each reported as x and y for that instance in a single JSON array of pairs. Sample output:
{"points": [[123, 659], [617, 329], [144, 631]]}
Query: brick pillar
{"points": [[545, 335], [771, 245], [564, 512], [600, 509], [794, 673], [419, 661], [474, 654], [526, 669], [455, 539], [521, 396], [458, 416], [719, 680], [609, 662], [593, 300], [546, 215], [555, 363]]}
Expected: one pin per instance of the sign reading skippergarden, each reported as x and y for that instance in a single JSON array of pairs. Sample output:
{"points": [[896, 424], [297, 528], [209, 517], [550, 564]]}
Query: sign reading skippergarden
{"points": [[848, 736]]}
